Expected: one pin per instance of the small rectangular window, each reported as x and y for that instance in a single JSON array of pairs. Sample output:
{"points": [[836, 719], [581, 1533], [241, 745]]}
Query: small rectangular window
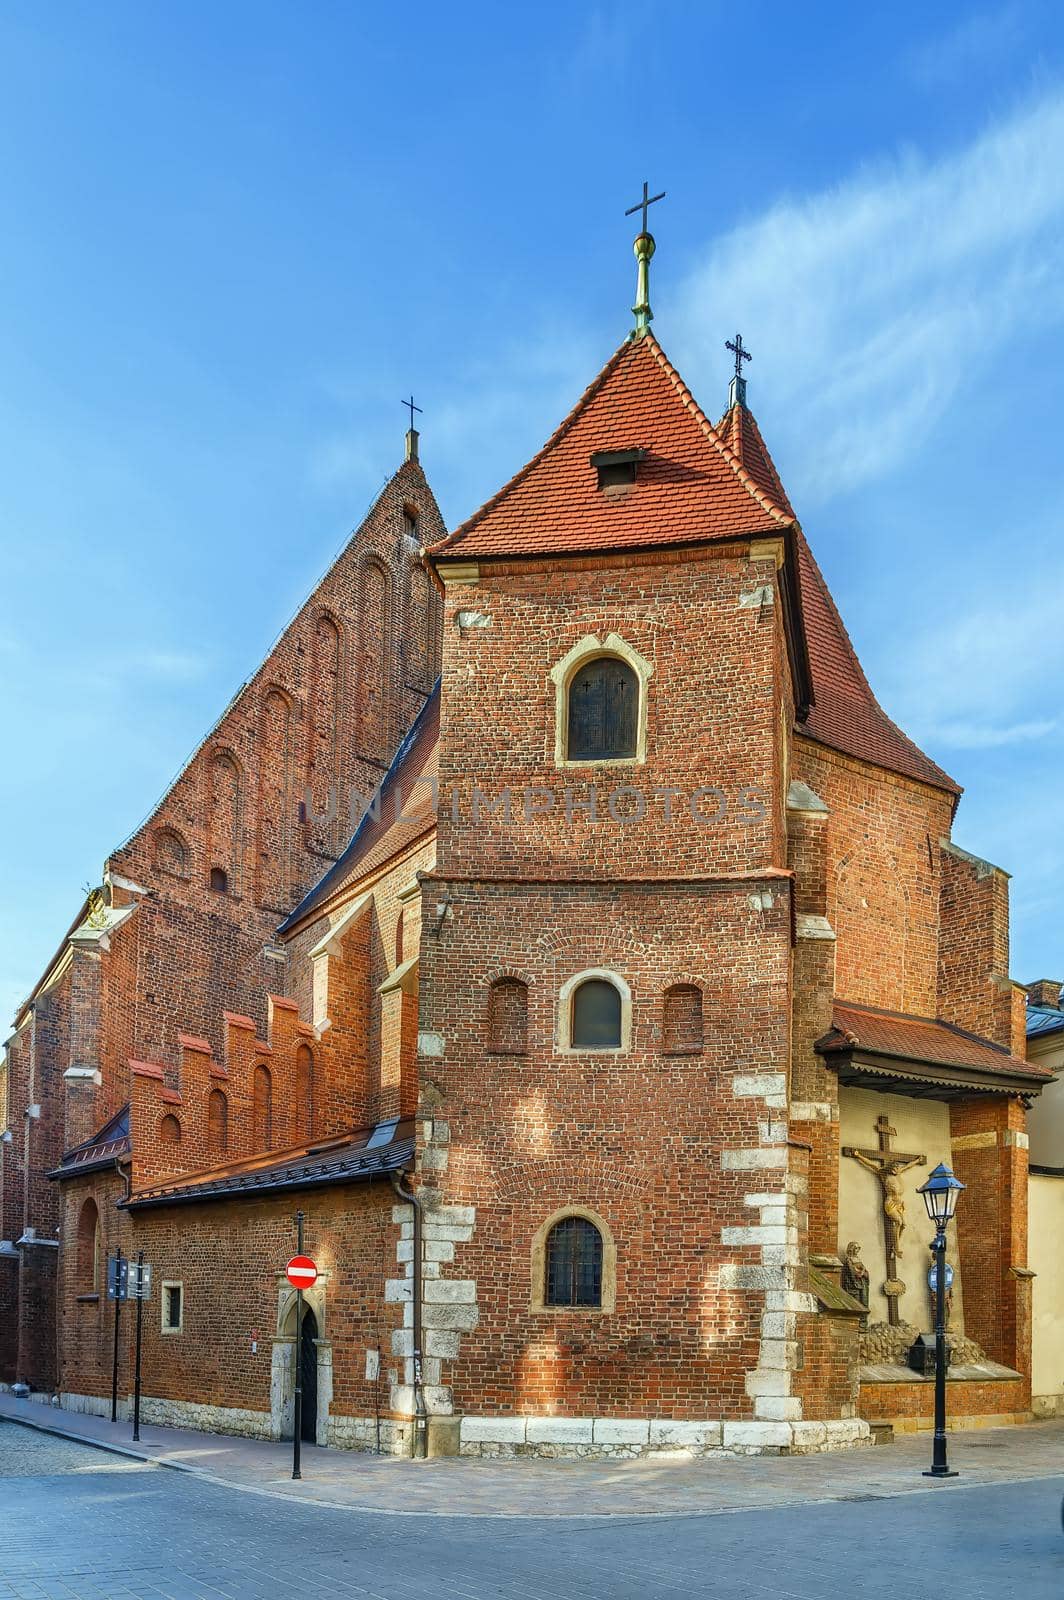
{"points": [[173, 1302]]}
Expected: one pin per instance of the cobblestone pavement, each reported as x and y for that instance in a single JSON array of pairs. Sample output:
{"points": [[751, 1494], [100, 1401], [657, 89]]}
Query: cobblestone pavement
{"points": [[344, 1478], [78, 1524]]}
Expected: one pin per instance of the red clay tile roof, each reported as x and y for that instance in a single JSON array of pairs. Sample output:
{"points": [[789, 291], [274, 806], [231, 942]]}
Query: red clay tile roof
{"points": [[690, 488], [919, 1039], [845, 714]]}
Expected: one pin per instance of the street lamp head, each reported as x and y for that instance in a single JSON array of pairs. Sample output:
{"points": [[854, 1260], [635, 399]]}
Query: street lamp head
{"points": [[940, 1194]]}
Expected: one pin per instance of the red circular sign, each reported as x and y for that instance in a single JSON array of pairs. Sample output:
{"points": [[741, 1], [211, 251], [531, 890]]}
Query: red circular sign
{"points": [[301, 1272]]}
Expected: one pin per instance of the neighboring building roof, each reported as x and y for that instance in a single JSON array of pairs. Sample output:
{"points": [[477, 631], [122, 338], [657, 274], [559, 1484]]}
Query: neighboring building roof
{"points": [[690, 488], [349, 1158], [106, 1147], [868, 1039], [1042, 1020], [406, 811]]}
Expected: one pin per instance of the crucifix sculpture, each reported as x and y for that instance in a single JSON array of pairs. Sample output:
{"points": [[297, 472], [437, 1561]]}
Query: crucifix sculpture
{"points": [[888, 1165]]}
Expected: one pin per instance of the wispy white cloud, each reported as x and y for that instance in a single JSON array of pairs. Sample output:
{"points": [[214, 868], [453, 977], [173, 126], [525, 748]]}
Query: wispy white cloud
{"points": [[871, 304], [976, 43], [990, 675]]}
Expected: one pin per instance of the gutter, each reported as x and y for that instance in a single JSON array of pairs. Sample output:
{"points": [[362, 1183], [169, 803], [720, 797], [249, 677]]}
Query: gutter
{"points": [[419, 1437]]}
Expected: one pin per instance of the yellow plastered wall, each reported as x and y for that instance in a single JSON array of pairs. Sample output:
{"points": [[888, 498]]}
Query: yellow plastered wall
{"points": [[1046, 1258], [922, 1129]]}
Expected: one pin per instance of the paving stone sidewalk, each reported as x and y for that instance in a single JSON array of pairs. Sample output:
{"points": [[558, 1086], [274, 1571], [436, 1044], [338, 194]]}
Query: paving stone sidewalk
{"points": [[563, 1489]]}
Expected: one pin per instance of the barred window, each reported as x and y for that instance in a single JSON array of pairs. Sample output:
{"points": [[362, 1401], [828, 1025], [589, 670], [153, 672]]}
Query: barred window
{"points": [[596, 1018], [573, 1264], [603, 711]]}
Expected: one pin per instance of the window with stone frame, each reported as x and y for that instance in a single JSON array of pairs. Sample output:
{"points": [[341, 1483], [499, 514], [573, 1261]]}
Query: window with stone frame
{"points": [[682, 1019], [596, 1016], [573, 1264], [508, 1016], [603, 711], [172, 1305]]}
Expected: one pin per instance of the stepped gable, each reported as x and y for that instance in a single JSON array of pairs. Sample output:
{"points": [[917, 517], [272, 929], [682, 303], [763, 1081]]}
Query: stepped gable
{"points": [[844, 714], [689, 489]]}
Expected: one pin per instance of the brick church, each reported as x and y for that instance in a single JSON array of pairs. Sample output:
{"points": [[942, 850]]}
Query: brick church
{"points": [[559, 923]]}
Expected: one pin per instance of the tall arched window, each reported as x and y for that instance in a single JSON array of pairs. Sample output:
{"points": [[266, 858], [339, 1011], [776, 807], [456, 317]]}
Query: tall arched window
{"points": [[596, 1016], [262, 1107], [508, 1016], [89, 1249], [305, 1092], [603, 712], [573, 1264], [682, 1019], [217, 1121]]}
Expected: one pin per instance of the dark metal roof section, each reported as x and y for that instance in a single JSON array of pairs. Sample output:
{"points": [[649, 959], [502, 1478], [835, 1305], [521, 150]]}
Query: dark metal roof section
{"points": [[349, 1158], [1042, 1020], [106, 1147]]}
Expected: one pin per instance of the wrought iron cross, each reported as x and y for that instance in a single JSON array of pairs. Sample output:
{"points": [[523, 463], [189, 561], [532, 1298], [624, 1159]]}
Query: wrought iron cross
{"points": [[741, 353], [412, 408], [643, 205]]}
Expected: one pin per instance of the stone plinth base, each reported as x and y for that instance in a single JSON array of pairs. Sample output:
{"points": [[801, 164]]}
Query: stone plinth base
{"points": [[629, 1437]]}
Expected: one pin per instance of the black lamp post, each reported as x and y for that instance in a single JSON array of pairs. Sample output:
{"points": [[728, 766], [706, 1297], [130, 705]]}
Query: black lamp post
{"points": [[940, 1197]]}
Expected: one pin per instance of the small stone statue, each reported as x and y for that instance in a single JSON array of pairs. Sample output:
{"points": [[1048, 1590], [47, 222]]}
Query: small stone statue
{"points": [[855, 1279]]}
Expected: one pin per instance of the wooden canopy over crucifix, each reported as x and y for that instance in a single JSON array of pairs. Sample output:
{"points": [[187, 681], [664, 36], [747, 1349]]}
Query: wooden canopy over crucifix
{"points": [[887, 1165]]}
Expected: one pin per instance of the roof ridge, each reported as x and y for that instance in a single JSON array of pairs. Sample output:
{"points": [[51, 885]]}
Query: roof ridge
{"points": [[470, 522], [786, 519]]}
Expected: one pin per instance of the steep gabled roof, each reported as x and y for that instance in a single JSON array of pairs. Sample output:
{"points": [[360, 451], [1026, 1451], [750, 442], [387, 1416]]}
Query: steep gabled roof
{"points": [[845, 714], [690, 488], [404, 810]]}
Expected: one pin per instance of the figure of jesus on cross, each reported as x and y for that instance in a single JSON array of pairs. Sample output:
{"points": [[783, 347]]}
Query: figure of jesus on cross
{"points": [[888, 1165]]}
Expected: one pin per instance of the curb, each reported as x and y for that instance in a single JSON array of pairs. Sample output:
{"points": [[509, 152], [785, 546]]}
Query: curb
{"points": [[127, 1451]]}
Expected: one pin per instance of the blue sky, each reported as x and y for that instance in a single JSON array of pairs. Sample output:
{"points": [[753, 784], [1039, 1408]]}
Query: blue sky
{"points": [[235, 236]]}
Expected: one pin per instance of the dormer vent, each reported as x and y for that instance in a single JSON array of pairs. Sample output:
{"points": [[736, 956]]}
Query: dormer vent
{"points": [[616, 466]]}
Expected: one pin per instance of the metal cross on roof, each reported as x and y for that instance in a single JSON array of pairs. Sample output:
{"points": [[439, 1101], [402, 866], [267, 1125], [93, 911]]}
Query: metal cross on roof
{"points": [[411, 407], [741, 354], [643, 205]]}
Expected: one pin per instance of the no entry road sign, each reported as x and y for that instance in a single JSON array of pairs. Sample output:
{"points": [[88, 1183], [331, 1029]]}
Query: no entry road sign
{"points": [[301, 1272]]}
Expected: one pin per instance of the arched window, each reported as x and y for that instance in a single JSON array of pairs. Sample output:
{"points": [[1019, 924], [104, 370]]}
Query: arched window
{"points": [[399, 937], [89, 1249], [508, 1016], [219, 880], [262, 1108], [170, 1129], [596, 1016], [410, 521], [573, 1264], [682, 1019], [217, 1121], [304, 1092], [171, 852], [603, 718]]}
